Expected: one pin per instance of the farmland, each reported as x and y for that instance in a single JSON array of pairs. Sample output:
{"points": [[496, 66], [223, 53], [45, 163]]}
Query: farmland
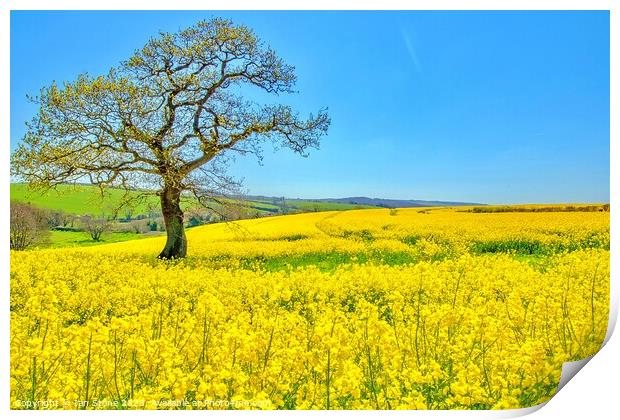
{"points": [[87, 199], [77, 199], [119, 208], [416, 308], [60, 239]]}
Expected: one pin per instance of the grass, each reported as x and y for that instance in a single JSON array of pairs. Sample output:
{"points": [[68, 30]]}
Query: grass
{"points": [[86, 199], [330, 261], [309, 205], [265, 205], [524, 247], [324, 261], [64, 239], [79, 199], [518, 246]]}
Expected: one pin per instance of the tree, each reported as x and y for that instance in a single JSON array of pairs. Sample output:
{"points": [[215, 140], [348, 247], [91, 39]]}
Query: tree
{"points": [[58, 218], [95, 227], [28, 226], [139, 226], [167, 120]]}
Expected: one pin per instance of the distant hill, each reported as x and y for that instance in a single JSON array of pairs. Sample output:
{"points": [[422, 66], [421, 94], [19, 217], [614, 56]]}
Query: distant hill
{"points": [[390, 203], [363, 202], [84, 199]]}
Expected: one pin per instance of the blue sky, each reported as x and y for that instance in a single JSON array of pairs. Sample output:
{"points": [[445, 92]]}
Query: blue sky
{"points": [[494, 107]]}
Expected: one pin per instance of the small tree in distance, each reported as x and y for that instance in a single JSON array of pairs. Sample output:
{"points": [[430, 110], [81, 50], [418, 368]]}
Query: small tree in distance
{"points": [[58, 218], [167, 119], [95, 227]]}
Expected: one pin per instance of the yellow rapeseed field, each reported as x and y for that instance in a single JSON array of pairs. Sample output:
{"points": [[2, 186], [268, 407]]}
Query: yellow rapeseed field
{"points": [[364, 309]]}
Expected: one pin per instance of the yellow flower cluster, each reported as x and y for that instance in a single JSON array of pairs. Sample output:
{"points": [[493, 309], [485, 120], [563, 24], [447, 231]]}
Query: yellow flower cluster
{"points": [[452, 231], [457, 325]]}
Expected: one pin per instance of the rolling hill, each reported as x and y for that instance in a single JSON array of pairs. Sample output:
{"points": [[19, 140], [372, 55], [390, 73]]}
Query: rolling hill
{"points": [[86, 199], [390, 203]]}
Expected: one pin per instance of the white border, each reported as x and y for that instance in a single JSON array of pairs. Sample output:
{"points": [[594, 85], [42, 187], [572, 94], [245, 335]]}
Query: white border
{"points": [[592, 395], [310, 5]]}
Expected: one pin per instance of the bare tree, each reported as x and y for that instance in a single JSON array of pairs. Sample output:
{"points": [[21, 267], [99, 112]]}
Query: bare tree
{"points": [[168, 119], [139, 226], [96, 227], [28, 226]]}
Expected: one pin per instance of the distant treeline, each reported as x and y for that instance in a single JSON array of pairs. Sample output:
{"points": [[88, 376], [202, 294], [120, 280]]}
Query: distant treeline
{"points": [[514, 209]]}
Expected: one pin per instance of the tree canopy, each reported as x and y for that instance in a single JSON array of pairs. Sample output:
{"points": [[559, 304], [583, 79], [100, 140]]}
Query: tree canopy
{"points": [[166, 119]]}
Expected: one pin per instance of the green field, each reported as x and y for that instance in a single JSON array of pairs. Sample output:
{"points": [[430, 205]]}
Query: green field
{"points": [[86, 199], [309, 205], [63, 239], [79, 199]]}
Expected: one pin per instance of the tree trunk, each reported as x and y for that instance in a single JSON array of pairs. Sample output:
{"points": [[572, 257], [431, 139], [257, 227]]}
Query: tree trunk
{"points": [[176, 244]]}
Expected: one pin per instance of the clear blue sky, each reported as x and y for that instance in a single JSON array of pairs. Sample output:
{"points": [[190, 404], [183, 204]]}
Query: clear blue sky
{"points": [[494, 107]]}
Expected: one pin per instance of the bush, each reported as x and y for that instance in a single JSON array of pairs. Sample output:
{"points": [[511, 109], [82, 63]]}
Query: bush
{"points": [[194, 221], [133, 226], [95, 227], [67, 229], [139, 226], [28, 226], [58, 218]]}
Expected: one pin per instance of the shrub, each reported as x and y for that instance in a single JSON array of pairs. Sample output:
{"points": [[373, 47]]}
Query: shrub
{"points": [[58, 218], [28, 226], [139, 226], [152, 225], [95, 227]]}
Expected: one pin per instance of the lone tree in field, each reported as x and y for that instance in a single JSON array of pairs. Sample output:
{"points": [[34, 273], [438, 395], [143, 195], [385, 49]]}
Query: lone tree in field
{"points": [[166, 119]]}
